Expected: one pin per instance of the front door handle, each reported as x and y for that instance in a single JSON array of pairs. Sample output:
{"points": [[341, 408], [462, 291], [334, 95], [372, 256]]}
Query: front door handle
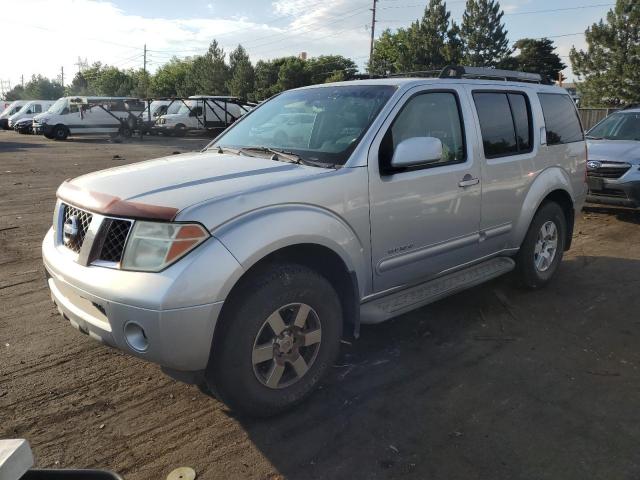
{"points": [[468, 181]]}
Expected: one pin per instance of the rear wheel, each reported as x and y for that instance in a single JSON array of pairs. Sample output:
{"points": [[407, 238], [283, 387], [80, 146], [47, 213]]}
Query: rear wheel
{"points": [[276, 341], [60, 132], [543, 246]]}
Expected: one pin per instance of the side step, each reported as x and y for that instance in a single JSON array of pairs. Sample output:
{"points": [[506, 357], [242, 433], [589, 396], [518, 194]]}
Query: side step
{"points": [[397, 303]]}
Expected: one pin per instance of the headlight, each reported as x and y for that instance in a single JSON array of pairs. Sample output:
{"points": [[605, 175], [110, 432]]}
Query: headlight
{"points": [[153, 246]]}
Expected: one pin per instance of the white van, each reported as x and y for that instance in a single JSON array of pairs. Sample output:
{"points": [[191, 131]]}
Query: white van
{"points": [[200, 112], [30, 110], [13, 107], [86, 115]]}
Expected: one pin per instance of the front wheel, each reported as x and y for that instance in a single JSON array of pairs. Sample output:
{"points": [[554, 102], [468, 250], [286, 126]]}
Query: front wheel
{"points": [[278, 336], [60, 132], [541, 252]]}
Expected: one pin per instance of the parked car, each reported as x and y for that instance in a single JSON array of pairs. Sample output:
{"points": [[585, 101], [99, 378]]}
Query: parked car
{"points": [[89, 115], [13, 107], [613, 169], [201, 112], [23, 126], [29, 110], [242, 265]]}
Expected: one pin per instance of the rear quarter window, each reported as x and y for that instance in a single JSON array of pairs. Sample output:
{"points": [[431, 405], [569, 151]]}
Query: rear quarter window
{"points": [[560, 118]]}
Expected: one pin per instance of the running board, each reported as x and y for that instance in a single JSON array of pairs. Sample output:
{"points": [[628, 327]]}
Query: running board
{"points": [[394, 304]]}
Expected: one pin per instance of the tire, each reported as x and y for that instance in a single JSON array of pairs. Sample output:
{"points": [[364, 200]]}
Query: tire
{"points": [[125, 132], [536, 264], [60, 132], [49, 136], [180, 130], [251, 369]]}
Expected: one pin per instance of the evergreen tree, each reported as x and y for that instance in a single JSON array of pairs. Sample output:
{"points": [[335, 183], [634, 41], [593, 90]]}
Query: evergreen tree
{"points": [[537, 56], [209, 72], [429, 43], [610, 68], [484, 38], [242, 80]]}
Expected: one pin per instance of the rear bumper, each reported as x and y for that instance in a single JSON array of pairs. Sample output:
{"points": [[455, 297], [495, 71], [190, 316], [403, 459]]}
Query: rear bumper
{"points": [[624, 194]]}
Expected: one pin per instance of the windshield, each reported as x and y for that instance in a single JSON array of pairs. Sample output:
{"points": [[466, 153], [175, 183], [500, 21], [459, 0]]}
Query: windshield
{"points": [[319, 124], [59, 106], [618, 126], [185, 107], [24, 108], [12, 108]]}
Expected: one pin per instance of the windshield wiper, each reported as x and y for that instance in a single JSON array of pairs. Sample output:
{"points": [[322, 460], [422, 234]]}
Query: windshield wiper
{"points": [[287, 156]]}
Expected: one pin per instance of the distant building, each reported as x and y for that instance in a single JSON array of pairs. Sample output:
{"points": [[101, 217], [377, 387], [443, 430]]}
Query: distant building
{"points": [[302, 55]]}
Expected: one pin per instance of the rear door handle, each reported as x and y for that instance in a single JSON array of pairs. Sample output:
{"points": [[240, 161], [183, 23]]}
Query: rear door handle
{"points": [[468, 181]]}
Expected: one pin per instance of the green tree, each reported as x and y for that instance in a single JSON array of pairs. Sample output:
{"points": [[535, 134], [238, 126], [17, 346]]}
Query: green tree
{"points": [[609, 70], [429, 43], [483, 35], [293, 74], [39, 87], [171, 79], [242, 81], [209, 72], [16, 93], [537, 56], [113, 82], [266, 78], [330, 68]]}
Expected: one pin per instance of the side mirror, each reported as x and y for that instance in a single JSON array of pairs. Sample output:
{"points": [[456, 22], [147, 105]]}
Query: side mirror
{"points": [[417, 151]]}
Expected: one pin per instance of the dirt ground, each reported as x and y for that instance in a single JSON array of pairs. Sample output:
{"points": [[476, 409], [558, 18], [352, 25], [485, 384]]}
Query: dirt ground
{"points": [[492, 383]]}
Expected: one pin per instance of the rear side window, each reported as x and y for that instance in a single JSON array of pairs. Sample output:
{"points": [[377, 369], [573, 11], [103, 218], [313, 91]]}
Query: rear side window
{"points": [[560, 118], [505, 123]]}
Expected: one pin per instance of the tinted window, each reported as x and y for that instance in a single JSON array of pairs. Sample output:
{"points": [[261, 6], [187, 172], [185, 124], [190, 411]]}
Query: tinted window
{"points": [[37, 108], [496, 124], [427, 115], [560, 118], [520, 110]]}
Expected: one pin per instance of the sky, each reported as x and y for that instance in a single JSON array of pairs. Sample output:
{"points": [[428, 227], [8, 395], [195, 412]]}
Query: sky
{"points": [[46, 36]]}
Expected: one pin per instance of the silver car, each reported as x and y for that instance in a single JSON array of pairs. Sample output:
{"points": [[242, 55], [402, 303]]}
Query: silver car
{"points": [[613, 169], [242, 266]]}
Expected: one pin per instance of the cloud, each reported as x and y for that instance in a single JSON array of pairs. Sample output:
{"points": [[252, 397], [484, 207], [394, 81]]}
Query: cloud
{"points": [[55, 34]]}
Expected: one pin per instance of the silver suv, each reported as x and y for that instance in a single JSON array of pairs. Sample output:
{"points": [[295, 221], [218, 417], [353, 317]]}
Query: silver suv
{"points": [[613, 169], [242, 266]]}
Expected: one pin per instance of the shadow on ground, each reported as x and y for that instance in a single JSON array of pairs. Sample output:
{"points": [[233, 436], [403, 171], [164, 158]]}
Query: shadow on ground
{"points": [[628, 215], [6, 147], [495, 382]]}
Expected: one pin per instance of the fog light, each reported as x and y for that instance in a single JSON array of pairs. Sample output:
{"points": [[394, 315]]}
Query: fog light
{"points": [[135, 336]]}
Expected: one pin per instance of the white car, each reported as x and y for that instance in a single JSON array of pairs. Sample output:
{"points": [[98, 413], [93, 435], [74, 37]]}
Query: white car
{"points": [[12, 108], [86, 115], [29, 110], [201, 112]]}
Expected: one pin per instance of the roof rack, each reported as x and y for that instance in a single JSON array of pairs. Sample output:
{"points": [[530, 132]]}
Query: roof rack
{"points": [[454, 71]]}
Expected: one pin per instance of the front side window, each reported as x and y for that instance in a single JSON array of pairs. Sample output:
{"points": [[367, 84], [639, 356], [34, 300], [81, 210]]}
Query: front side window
{"points": [[37, 108], [560, 118], [505, 123], [321, 124], [434, 114], [618, 126]]}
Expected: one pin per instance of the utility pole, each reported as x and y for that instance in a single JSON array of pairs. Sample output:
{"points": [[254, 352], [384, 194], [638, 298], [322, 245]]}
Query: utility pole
{"points": [[22, 79], [145, 60], [62, 76], [373, 32]]}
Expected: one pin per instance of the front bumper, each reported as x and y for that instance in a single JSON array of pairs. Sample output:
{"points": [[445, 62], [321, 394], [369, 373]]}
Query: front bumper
{"points": [[104, 303], [614, 192]]}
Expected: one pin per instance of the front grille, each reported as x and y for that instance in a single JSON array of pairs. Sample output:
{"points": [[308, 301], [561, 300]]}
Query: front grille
{"points": [[82, 222], [609, 170], [115, 238]]}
